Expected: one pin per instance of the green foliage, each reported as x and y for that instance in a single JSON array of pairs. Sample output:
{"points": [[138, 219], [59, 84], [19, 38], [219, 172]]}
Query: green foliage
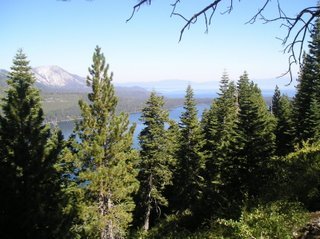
{"points": [[219, 124], [32, 199], [275, 220], [254, 145], [302, 175], [284, 131], [307, 99], [172, 227], [106, 171], [190, 160], [156, 159], [232, 175]]}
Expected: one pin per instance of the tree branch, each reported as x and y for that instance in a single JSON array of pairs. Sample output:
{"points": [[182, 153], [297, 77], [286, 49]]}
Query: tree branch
{"points": [[193, 19], [259, 13], [297, 29], [297, 26], [137, 7]]}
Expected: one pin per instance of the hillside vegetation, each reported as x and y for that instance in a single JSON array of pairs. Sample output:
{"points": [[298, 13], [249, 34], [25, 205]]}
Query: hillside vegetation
{"points": [[63, 104], [244, 170]]}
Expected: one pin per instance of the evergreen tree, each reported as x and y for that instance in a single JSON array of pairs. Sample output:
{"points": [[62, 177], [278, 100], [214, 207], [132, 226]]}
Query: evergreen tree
{"points": [[156, 158], [190, 160], [275, 105], [106, 172], [254, 145], [284, 131], [219, 129], [32, 200], [308, 90]]}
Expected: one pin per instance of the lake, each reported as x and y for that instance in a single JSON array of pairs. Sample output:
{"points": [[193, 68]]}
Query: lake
{"points": [[174, 114]]}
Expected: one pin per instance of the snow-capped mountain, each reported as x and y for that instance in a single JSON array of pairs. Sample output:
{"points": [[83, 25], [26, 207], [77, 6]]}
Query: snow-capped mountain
{"points": [[58, 78], [55, 79]]}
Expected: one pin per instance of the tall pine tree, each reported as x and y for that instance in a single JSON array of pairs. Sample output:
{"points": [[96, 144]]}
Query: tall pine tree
{"points": [[284, 130], [31, 201], [254, 145], [219, 125], [308, 91], [106, 173], [156, 158], [190, 159]]}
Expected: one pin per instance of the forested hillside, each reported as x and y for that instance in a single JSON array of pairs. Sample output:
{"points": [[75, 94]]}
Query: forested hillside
{"points": [[62, 103], [244, 170]]}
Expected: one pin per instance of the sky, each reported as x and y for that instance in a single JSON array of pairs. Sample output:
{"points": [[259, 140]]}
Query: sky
{"points": [[147, 48]]}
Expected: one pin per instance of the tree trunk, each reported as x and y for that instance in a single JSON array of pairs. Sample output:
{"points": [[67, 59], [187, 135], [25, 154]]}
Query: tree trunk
{"points": [[103, 234], [103, 211], [110, 224], [147, 218], [146, 224]]}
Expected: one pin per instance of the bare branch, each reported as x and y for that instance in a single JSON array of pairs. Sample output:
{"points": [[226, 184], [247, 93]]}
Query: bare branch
{"points": [[259, 13], [174, 6], [206, 22], [179, 15], [137, 7], [229, 9], [297, 27], [194, 18]]}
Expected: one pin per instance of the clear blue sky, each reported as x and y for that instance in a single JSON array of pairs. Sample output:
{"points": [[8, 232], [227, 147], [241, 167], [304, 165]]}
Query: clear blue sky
{"points": [[53, 32]]}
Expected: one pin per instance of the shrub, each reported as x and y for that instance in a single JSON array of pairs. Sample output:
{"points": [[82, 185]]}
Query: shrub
{"points": [[272, 221]]}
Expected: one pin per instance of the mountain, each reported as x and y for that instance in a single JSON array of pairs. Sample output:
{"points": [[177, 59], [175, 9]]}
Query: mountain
{"points": [[55, 78], [3, 78], [176, 88], [61, 91]]}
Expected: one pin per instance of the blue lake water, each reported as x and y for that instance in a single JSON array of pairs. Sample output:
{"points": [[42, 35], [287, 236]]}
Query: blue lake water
{"points": [[174, 114]]}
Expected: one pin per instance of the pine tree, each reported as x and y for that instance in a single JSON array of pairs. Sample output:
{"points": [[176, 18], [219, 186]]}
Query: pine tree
{"points": [[190, 159], [219, 125], [275, 105], [222, 120], [156, 158], [254, 146], [284, 130], [308, 90], [106, 172], [31, 201]]}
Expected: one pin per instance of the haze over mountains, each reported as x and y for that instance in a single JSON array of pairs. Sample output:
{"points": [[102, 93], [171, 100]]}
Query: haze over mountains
{"points": [[176, 88], [61, 91], [50, 79], [56, 79]]}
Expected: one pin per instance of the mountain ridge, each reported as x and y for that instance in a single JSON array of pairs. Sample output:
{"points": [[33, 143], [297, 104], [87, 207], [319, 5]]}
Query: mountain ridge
{"points": [[56, 77], [53, 79]]}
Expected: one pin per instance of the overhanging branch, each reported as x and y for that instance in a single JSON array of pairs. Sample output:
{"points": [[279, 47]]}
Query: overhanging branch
{"points": [[297, 26]]}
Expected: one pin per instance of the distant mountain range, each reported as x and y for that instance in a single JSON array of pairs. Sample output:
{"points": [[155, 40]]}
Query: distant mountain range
{"points": [[176, 88], [3, 78], [56, 79], [61, 91], [53, 78]]}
